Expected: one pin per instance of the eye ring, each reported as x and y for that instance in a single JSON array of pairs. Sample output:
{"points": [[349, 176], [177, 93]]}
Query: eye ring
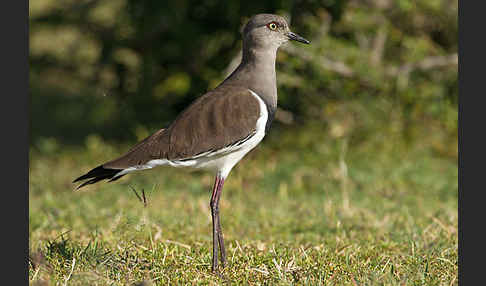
{"points": [[272, 26]]}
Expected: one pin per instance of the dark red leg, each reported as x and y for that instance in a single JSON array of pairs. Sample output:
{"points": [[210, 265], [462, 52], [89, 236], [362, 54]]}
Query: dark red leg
{"points": [[217, 231], [222, 249]]}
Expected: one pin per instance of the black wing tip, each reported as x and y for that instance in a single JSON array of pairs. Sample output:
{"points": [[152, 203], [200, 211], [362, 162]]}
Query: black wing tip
{"points": [[97, 174], [92, 173]]}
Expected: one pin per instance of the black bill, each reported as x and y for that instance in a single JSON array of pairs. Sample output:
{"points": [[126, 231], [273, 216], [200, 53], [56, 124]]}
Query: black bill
{"points": [[295, 37]]}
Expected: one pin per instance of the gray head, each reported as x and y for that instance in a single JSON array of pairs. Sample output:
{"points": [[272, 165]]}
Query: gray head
{"points": [[268, 31]]}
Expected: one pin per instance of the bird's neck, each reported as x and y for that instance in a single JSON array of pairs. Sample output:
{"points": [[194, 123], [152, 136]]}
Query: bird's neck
{"points": [[257, 72]]}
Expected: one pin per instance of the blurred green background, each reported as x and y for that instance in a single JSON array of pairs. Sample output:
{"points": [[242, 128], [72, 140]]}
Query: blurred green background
{"points": [[364, 145], [123, 69]]}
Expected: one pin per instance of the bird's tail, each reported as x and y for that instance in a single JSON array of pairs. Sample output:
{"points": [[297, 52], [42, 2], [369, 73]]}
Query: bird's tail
{"points": [[97, 174], [134, 159]]}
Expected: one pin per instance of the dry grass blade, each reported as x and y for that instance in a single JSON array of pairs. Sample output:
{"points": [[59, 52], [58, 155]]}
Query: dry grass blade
{"points": [[71, 272], [142, 199]]}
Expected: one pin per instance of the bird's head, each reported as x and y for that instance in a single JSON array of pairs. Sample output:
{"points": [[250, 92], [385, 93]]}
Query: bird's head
{"points": [[268, 31]]}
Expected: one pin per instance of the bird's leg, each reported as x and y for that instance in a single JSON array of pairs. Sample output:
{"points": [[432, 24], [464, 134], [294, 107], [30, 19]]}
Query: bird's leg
{"points": [[217, 233], [212, 204], [222, 250]]}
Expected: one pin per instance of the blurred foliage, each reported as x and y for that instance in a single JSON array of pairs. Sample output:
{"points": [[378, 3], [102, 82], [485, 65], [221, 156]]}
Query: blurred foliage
{"points": [[124, 68]]}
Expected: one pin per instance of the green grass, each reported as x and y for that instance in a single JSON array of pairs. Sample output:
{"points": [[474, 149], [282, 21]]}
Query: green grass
{"points": [[329, 211]]}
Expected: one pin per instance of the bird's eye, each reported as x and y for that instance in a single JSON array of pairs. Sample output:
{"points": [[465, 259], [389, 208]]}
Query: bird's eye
{"points": [[272, 26]]}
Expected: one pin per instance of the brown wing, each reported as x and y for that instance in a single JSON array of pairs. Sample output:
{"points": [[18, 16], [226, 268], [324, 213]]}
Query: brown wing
{"points": [[153, 147], [219, 118], [215, 120]]}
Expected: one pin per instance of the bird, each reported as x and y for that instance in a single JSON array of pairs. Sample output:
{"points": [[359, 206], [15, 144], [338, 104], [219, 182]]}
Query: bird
{"points": [[219, 127]]}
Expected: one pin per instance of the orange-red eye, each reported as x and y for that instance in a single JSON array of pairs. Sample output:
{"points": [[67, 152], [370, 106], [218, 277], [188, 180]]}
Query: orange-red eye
{"points": [[272, 26]]}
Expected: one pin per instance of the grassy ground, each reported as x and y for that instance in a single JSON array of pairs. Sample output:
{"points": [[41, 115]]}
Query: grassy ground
{"points": [[329, 212]]}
